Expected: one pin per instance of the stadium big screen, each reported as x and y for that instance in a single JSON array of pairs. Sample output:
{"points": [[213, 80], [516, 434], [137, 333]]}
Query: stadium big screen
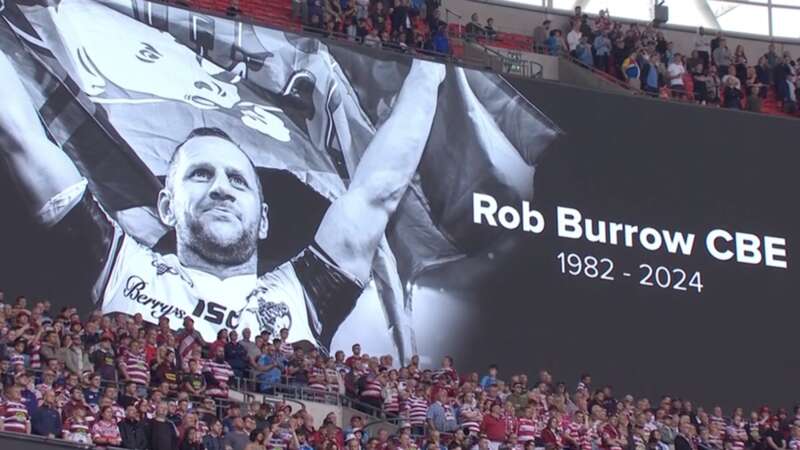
{"points": [[353, 195]]}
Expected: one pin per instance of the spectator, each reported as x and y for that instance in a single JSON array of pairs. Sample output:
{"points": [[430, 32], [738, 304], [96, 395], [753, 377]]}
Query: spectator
{"points": [[440, 414], [675, 73], [722, 57], [16, 418], [740, 61], [702, 46], [400, 20], [193, 383], [652, 84], [753, 90], [490, 378], [217, 374], [103, 359], [441, 43], [132, 430], [540, 36], [602, 49], [77, 427], [162, 433], [574, 38], [46, 420], [631, 71], [491, 33], [237, 438], [105, 430], [554, 43], [584, 52], [474, 30]]}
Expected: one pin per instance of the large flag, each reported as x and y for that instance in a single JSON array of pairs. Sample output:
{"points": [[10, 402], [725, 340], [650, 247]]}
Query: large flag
{"points": [[119, 84]]}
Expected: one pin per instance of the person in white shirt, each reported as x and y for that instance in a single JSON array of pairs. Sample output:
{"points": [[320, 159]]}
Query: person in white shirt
{"points": [[675, 71], [574, 37]]}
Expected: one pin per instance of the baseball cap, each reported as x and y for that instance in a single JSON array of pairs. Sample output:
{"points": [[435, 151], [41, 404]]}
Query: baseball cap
{"points": [[350, 437]]}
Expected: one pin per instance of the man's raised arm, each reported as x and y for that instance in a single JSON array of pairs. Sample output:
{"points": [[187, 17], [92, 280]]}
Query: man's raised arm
{"points": [[40, 167], [354, 224]]}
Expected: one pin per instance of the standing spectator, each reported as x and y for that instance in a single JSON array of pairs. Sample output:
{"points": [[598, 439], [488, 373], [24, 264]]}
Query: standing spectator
{"points": [[731, 89], [773, 436], [188, 337], [574, 38], [722, 57], [763, 76], [213, 440], [602, 49], [652, 81], [490, 378], [717, 42], [554, 43], [237, 438], [132, 430], [491, 33], [75, 358], [14, 414], [162, 433], [493, 426], [752, 90], [105, 431], [584, 52], [740, 61], [474, 30], [440, 414], [103, 359], [551, 435], [193, 381], [218, 373], [77, 428], [702, 46], [540, 36], [675, 72], [46, 420], [631, 71], [236, 355]]}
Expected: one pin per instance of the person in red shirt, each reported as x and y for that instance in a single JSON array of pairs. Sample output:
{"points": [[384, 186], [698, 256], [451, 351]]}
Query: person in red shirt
{"points": [[551, 435], [494, 426]]}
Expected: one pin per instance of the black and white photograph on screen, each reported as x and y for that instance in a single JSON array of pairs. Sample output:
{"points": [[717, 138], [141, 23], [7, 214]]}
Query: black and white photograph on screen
{"points": [[232, 176]]}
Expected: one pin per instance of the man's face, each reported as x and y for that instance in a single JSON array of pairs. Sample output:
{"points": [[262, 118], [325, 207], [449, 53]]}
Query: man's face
{"points": [[213, 201]]}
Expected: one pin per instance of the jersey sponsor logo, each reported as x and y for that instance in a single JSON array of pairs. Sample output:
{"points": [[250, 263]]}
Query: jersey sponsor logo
{"points": [[271, 316], [163, 268], [134, 290]]}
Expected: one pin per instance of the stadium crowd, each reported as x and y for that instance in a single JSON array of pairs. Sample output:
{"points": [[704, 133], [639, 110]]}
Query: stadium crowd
{"points": [[122, 382], [401, 25], [709, 73]]}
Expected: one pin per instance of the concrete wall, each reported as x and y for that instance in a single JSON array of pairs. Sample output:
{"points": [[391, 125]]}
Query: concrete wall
{"points": [[522, 19]]}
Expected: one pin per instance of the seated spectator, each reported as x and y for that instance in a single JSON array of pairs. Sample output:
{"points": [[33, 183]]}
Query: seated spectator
{"points": [[732, 89]]}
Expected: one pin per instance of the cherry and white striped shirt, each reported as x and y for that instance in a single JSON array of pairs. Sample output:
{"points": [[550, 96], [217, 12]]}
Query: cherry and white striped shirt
{"points": [[136, 367], [417, 408], [107, 432], [15, 417], [222, 373]]}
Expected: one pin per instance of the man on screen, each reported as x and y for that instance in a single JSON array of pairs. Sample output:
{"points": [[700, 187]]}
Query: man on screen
{"points": [[213, 200]]}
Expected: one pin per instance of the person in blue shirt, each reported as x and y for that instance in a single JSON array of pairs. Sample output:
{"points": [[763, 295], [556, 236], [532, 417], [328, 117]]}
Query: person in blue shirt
{"points": [[602, 48], [23, 381], [584, 52], [490, 378], [92, 394], [269, 368], [440, 42], [554, 43]]}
